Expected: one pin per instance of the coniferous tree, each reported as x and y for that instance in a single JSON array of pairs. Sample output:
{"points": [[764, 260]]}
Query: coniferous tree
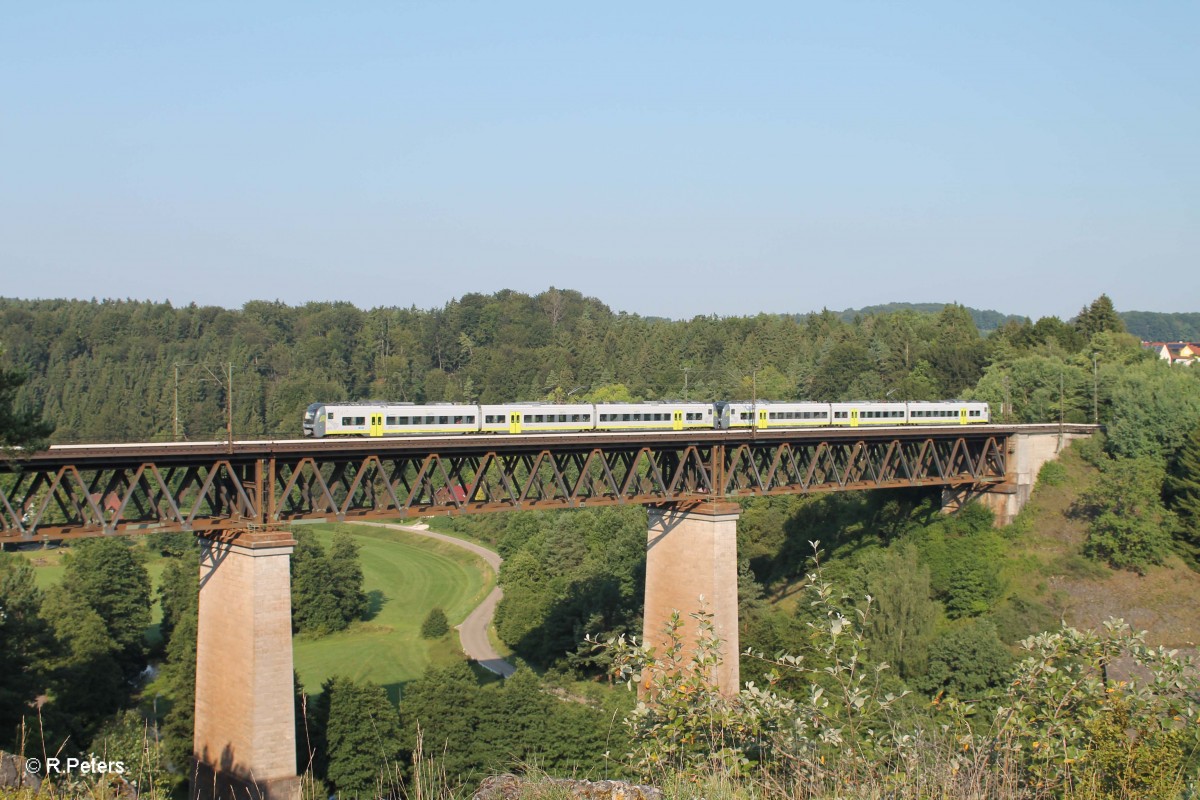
{"points": [[435, 625], [178, 589], [24, 645], [1098, 317], [315, 608], [347, 577], [362, 734], [1183, 491], [23, 429], [179, 673]]}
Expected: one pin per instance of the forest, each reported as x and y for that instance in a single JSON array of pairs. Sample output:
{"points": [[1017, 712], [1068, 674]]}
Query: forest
{"points": [[848, 690]]}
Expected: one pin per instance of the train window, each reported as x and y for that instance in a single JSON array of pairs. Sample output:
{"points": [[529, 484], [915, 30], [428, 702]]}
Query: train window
{"points": [[604, 417], [487, 419], [574, 418], [390, 421], [360, 420], [458, 420], [625, 417], [346, 421], [529, 417], [563, 418], [587, 417]]}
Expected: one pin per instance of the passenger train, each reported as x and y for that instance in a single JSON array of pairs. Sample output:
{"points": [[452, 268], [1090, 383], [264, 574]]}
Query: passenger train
{"points": [[414, 419]]}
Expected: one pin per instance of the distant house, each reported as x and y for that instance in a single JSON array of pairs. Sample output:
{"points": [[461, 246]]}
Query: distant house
{"points": [[1183, 353], [1160, 348]]}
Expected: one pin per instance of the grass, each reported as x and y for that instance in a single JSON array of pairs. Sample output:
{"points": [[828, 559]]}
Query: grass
{"points": [[405, 576]]}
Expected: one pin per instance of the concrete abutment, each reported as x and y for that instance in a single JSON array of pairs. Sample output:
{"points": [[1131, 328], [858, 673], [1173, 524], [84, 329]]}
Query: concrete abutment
{"points": [[1027, 454], [691, 566], [245, 727]]}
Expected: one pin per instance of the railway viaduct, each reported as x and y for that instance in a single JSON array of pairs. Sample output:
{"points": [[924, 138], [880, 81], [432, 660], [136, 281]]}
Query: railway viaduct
{"points": [[239, 498]]}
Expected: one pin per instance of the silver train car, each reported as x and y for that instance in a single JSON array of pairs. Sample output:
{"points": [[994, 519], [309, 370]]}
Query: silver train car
{"points": [[416, 419]]}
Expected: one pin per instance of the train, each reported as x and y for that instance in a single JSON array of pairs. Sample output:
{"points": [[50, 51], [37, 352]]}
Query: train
{"points": [[423, 419]]}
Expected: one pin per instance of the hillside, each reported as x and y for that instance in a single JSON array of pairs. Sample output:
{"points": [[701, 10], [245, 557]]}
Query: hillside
{"points": [[1084, 593]]}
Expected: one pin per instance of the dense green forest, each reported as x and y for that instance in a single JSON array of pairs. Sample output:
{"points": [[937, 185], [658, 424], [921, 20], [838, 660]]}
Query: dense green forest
{"points": [[125, 370], [929, 666]]}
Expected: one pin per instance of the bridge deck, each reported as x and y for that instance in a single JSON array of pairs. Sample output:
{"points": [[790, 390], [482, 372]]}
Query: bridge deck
{"points": [[98, 489]]}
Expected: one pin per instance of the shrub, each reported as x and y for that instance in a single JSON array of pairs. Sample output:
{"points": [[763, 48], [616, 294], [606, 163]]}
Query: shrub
{"points": [[435, 625], [1052, 473]]}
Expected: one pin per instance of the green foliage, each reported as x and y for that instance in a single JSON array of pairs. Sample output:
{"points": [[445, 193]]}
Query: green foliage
{"points": [[19, 429], [327, 589], [347, 577], [478, 730], [362, 732], [1052, 473], [178, 588], [85, 672], [1153, 326], [133, 741], [172, 545], [968, 662], [108, 576], [24, 645], [1038, 388], [1154, 409], [839, 724], [1130, 758], [435, 625], [1099, 317], [1129, 528], [1182, 489], [565, 575], [179, 595], [1075, 733], [963, 552], [904, 616]]}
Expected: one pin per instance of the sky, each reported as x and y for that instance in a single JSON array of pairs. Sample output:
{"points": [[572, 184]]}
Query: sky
{"points": [[671, 159]]}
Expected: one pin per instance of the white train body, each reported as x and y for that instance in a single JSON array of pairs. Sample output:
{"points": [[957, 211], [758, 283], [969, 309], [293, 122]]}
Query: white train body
{"points": [[413, 419]]}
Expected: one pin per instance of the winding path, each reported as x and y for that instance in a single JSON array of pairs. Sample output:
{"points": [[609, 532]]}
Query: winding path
{"points": [[472, 633]]}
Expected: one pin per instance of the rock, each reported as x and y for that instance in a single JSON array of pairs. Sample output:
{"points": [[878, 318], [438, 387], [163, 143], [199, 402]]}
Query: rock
{"points": [[13, 774]]}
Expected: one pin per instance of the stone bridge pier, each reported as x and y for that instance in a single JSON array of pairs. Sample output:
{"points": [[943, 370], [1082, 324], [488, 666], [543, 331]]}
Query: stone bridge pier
{"points": [[245, 727], [691, 566]]}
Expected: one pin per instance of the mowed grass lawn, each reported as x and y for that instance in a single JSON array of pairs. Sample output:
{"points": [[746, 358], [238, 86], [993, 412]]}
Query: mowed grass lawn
{"points": [[406, 576]]}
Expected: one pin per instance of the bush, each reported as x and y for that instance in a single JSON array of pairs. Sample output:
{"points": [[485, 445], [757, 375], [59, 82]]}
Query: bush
{"points": [[435, 625], [1130, 528], [1052, 473]]}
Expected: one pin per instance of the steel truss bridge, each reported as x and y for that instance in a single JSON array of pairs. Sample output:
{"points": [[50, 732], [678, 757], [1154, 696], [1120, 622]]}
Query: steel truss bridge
{"points": [[209, 487]]}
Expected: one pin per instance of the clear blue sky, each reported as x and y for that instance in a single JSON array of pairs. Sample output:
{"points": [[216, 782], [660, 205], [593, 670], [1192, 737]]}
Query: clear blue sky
{"points": [[669, 158]]}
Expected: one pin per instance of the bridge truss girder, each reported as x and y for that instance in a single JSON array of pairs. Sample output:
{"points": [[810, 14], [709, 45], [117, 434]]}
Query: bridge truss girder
{"points": [[235, 491]]}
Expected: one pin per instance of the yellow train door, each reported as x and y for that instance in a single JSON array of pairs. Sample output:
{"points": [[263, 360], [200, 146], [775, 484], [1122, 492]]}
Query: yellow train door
{"points": [[377, 424], [854, 418], [762, 418], [677, 420], [514, 422], [962, 416]]}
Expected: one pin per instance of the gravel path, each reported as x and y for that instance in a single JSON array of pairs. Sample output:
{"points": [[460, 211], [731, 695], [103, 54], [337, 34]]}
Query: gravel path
{"points": [[472, 633]]}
